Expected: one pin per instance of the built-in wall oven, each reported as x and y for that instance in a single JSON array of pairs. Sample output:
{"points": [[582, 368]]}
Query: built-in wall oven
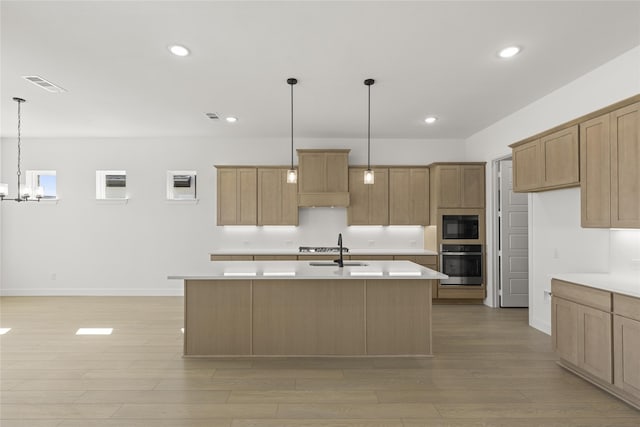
{"points": [[460, 227], [462, 263]]}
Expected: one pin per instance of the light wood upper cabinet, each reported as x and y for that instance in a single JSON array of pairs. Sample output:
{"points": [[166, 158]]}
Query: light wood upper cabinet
{"points": [[546, 163], [559, 158], [526, 166], [277, 199], [408, 196], [237, 196], [369, 203], [595, 168], [610, 155], [459, 185], [323, 178], [625, 171]]}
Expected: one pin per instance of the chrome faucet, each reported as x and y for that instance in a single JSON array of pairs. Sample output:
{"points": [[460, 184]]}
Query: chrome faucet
{"points": [[340, 261]]}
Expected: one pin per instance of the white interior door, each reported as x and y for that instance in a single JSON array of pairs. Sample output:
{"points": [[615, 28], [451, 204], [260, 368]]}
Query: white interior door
{"points": [[514, 242]]}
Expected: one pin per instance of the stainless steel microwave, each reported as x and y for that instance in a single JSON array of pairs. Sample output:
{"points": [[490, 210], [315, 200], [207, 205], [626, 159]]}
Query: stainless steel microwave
{"points": [[460, 227]]}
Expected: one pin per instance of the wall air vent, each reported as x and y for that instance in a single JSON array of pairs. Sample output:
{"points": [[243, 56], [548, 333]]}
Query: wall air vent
{"points": [[212, 116], [116, 180], [44, 84], [181, 181]]}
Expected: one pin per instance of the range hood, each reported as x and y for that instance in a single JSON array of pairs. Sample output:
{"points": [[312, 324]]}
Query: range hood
{"points": [[323, 178]]}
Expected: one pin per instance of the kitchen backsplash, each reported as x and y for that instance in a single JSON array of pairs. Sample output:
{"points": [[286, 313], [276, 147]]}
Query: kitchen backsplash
{"points": [[320, 227]]}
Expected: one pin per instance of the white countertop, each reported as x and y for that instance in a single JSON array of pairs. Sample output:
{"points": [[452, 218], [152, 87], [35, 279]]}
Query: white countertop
{"points": [[265, 270], [297, 252], [620, 284]]}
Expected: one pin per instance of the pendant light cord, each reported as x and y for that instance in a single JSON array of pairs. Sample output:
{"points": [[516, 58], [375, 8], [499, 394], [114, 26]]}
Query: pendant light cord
{"points": [[369, 131], [291, 127]]}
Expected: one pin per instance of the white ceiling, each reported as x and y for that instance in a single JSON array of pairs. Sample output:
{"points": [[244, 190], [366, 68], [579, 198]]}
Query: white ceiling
{"points": [[427, 58]]}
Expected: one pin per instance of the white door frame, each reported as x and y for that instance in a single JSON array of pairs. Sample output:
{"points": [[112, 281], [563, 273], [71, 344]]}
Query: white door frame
{"points": [[495, 229]]}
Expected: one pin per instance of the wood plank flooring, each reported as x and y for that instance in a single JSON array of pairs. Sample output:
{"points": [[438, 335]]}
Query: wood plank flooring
{"points": [[490, 369]]}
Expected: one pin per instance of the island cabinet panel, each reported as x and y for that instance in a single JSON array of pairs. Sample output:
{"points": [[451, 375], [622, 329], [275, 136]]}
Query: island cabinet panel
{"points": [[237, 196], [625, 173], [408, 196], [398, 317], [595, 171], [211, 306], [369, 203], [277, 199], [317, 317]]}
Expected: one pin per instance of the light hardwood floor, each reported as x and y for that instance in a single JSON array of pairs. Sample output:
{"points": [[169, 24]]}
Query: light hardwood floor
{"points": [[489, 369]]}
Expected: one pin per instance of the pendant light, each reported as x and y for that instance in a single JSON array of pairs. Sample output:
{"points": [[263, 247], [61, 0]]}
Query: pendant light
{"points": [[292, 174], [24, 193], [368, 174]]}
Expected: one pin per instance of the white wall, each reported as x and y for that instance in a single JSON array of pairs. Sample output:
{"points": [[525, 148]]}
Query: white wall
{"points": [[81, 246], [612, 82]]}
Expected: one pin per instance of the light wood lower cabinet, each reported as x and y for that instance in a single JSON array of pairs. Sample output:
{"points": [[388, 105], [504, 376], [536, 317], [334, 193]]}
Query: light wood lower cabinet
{"points": [[626, 344], [596, 334], [299, 317]]}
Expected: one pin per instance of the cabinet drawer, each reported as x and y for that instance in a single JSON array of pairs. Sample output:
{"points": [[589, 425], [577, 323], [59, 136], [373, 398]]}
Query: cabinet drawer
{"points": [[371, 257], [581, 294], [275, 257], [321, 257], [626, 306], [418, 259]]}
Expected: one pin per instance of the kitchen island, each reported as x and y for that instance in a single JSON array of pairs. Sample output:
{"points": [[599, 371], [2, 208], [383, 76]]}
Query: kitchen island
{"points": [[295, 308]]}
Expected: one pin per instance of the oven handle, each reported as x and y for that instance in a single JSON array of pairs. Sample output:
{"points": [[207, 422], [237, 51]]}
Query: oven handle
{"points": [[460, 253]]}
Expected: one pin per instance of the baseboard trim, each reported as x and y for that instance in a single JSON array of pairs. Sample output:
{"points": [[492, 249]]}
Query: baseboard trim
{"points": [[92, 292]]}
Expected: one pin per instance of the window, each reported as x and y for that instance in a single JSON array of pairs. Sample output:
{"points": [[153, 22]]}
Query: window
{"points": [[111, 184], [42, 182], [181, 185]]}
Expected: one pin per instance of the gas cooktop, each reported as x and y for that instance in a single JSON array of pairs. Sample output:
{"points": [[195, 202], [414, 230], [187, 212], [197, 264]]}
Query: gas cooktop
{"points": [[322, 249]]}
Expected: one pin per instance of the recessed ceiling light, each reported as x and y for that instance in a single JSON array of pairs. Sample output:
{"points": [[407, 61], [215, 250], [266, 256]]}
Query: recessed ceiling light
{"points": [[231, 119], [179, 50], [4, 330], [431, 119], [509, 52]]}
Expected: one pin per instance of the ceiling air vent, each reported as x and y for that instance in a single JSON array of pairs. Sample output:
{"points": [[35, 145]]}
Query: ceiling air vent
{"points": [[212, 116], [44, 84]]}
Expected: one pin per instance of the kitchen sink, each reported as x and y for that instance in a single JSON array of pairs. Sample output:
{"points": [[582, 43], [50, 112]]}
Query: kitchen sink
{"points": [[335, 264]]}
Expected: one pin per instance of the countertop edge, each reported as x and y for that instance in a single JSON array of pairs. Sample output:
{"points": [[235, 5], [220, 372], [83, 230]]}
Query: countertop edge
{"points": [[628, 285]]}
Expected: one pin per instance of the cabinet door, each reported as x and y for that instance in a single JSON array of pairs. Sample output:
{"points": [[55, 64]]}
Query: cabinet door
{"points": [[237, 196], [247, 196], [526, 167], [626, 348], [337, 167], [313, 169], [409, 196], [595, 169], [369, 203], [564, 324], [595, 342], [448, 186], [277, 200], [625, 174], [559, 158], [473, 182]]}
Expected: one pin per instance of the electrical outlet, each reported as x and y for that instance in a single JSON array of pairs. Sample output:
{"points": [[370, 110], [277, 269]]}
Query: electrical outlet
{"points": [[555, 253], [547, 294], [372, 242], [245, 243], [635, 263], [54, 276], [288, 243], [412, 243]]}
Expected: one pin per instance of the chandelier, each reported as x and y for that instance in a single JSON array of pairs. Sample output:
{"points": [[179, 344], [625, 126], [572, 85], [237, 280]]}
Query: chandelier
{"points": [[24, 193]]}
